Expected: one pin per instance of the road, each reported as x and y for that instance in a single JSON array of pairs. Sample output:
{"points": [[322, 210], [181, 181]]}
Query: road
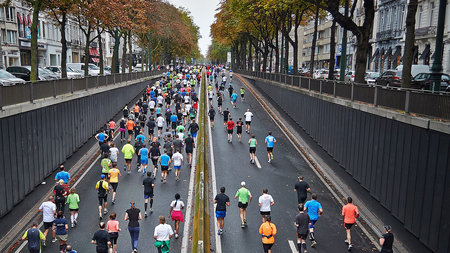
{"points": [[279, 177]]}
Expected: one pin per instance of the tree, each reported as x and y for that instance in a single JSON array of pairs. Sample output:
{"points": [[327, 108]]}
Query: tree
{"points": [[409, 43], [314, 40], [332, 50]]}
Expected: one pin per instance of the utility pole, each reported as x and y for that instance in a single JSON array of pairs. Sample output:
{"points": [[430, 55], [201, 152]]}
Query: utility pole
{"points": [[436, 68], [344, 47]]}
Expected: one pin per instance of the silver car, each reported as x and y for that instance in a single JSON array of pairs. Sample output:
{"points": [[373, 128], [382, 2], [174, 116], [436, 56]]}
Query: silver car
{"points": [[8, 79], [371, 77]]}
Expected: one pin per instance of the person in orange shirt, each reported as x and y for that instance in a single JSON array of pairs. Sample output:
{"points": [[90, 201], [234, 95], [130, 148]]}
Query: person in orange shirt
{"points": [[130, 128], [350, 212], [268, 230], [136, 110]]}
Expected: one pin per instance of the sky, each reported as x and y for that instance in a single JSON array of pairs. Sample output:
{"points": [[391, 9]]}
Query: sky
{"points": [[203, 13]]}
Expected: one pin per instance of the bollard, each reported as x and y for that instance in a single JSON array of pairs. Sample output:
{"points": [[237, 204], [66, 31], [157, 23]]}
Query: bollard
{"points": [[71, 85], [31, 92], [375, 96], [54, 88], [352, 92], [320, 86], [407, 97]]}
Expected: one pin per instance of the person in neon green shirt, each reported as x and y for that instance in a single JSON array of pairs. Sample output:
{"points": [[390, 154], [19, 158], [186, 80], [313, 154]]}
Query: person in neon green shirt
{"points": [[34, 237], [252, 143], [73, 199], [106, 165], [180, 128], [244, 197], [128, 152]]}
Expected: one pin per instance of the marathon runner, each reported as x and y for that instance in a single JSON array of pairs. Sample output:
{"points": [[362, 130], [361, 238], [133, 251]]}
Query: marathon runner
{"points": [[252, 142], [148, 184], [314, 210], [222, 202], [244, 197], [248, 120], [270, 140], [113, 176], [302, 223]]}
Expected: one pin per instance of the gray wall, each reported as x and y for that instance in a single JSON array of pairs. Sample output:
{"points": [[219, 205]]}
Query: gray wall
{"points": [[35, 143], [404, 167]]}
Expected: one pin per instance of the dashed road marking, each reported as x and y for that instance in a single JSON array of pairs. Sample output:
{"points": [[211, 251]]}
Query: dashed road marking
{"points": [[257, 162], [292, 246]]}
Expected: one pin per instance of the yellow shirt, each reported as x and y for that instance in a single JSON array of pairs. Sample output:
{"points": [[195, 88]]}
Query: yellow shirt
{"points": [[114, 175]]}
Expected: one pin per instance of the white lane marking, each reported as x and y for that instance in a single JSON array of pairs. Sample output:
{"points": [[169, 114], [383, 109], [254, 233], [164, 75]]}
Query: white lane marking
{"points": [[292, 246], [257, 162]]}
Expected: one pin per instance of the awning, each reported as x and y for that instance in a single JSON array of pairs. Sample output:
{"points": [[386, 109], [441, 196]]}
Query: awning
{"points": [[375, 55], [93, 52], [397, 53], [96, 59], [389, 52], [29, 20], [382, 53], [19, 18], [25, 19], [425, 53]]}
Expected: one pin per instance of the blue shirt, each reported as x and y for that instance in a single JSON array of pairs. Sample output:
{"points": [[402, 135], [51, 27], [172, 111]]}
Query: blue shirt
{"points": [[64, 175], [144, 153], [152, 93], [60, 226], [234, 96], [140, 137], [270, 140], [173, 118], [158, 110], [313, 209], [101, 137], [165, 160]]}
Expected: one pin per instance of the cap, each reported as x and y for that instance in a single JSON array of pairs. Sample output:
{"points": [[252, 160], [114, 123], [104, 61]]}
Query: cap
{"points": [[102, 176], [243, 183]]}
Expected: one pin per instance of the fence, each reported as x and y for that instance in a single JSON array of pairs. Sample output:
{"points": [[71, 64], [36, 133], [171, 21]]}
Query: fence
{"points": [[29, 92], [407, 100]]}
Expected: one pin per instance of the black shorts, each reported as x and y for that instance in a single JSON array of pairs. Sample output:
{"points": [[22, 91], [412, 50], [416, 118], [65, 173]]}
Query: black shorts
{"points": [[189, 151], [242, 95], [230, 131], [252, 150], [113, 237], [219, 104], [264, 213], [269, 149], [211, 118], [239, 130], [114, 186], [225, 119], [174, 125], [348, 225], [155, 161], [48, 225], [301, 199], [128, 160], [248, 123], [102, 200], [160, 128], [130, 132], [73, 210], [267, 246], [242, 205], [150, 131], [302, 236], [164, 168]]}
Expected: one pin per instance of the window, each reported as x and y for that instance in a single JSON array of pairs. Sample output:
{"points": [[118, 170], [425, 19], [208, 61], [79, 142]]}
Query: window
{"points": [[2, 13], [43, 29], [431, 13], [10, 14], [3, 35], [12, 37], [381, 28], [419, 19], [394, 21], [388, 20]]}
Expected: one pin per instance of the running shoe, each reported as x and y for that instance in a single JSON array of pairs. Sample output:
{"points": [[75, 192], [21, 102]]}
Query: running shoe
{"points": [[350, 247], [54, 240], [151, 210], [243, 225], [105, 211], [145, 214], [313, 243], [176, 236]]}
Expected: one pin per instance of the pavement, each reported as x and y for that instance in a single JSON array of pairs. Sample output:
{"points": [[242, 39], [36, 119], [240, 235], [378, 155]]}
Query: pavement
{"points": [[232, 165]]}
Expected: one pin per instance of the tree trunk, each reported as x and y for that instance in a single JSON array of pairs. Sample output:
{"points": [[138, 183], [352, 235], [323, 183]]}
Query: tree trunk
{"points": [[295, 49], [63, 44], [314, 40], [130, 54], [361, 55], [250, 58], [409, 43], [265, 54], [115, 57], [286, 54], [86, 52], [270, 60], [100, 51], [277, 54], [332, 50], [244, 53], [34, 75], [124, 52]]}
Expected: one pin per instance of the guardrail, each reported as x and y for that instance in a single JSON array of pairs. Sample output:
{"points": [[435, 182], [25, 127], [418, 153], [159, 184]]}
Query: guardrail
{"points": [[29, 91], [407, 100]]}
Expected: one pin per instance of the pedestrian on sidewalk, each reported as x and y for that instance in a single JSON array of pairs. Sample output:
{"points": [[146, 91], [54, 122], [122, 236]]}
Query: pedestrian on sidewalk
{"points": [[222, 201], [113, 229], [34, 237], [73, 200], [60, 227], [387, 240], [252, 142], [350, 212], [62, 174], [128, 152], [175, 212], [48, 210], [244, 197], [265, 202], [162, 234], [133, 215], [302, 223], [102, 188], [314, 210], [302, 188], [101, 239], [60, 195], [113, 176], [149, 185], [268, 230], [270, 140]]}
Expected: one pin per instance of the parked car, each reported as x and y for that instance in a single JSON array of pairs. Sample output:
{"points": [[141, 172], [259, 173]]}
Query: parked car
{"points": [[390, 77], [337, 74], [47, 74], [23, 72], [371, 77], [92, 71], [70, 72], [8, 79], [349, 77], [422, 81], [415, 69]]}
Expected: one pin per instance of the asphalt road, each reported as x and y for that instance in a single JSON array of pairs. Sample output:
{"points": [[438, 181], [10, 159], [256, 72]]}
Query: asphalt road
{"points": [[232, 165]]}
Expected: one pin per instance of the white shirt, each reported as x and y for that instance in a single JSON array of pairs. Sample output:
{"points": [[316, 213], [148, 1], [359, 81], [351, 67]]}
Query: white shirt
{"points": [[163, 232], [160, 121], [180, 136], [177, 159], [160, 99], [188, 107], [187, 99], [224, 79], [248, 116], [47, 208], [265, 201], [114, 152], [178, 206], [152, 104]]}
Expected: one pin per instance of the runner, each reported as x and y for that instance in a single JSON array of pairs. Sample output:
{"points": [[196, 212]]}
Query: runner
{"points": [[193, 127], [270, 140], [106, 165], [113, 153], [219, 103], [133, 215], [122, 126], [268, 230], [104, 148], [222, 202], [387, 240], [252, 142], [302, 188], [302, 223], [265, 202], [164, 160], [112, 127], [163, 233], [226, 114], [101, 137], [155, 154], [69, 249], [73, 200], [244, 197], [174, 122], [160, 124], [350, 212], [189, 143], [143, 154], [130, 128], [136, 110], [248, 120], [149, 185], [60, 227], [178, 161], [242, 94], [102, 188], [34, 237], [234, 97], [113, 176], [62, 174], [128, 152], [211, 114], [125, 111], [239, 125], [101, 239], [60, 195], [48, 210], [230, 126], [314, 210], [151, 127], [175, 213]]}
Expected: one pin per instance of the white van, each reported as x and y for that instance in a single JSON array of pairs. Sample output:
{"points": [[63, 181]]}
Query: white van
{"points": [[415, 69], [93, 70]]}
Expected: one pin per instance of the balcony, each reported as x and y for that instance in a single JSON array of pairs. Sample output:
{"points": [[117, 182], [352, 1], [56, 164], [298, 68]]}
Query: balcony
{"points": [[426, 31], [388, 34]]}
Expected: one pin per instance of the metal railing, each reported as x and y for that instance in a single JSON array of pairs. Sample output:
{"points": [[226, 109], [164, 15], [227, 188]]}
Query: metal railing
{"points": [[406, 100], [30, 92]]}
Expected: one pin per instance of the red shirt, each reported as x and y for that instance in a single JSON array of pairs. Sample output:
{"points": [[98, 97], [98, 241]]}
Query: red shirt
{"points": [[350, 212], [230, 125]]}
